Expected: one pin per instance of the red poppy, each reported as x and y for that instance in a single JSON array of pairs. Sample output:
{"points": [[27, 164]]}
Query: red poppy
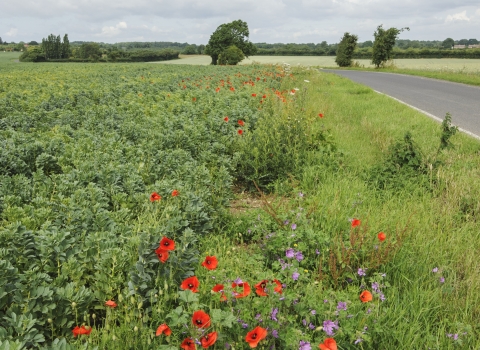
{"points": [[162, 254], [220, 288], [254, 336], [210, 263], [328, 344], [241, 123], [81, 330], [191, 283], [167, 244], [188, 344], [320, 115], [260, 288], [232, 89], [240, 131], [163, 328], [217, 89], [175, 193], [111, 303], [194, 99], [355, 223], [254, 95], [246, 289], [155, 197], [366, 296], [200, 319], [278, 289], [382, 236], [264, 96], [258, 78], [225, 119], [209, 340]]}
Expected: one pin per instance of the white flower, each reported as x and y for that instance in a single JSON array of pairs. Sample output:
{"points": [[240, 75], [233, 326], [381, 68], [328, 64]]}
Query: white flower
{"points": [[296, 89], [307, 81]]}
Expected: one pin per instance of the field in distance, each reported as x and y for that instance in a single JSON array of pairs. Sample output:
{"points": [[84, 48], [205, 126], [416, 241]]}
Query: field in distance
{"points": [[445, 64]]}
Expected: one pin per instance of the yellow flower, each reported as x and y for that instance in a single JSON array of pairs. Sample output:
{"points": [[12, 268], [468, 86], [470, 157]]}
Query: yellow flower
{"points": [[295, 245], [305, 270]]}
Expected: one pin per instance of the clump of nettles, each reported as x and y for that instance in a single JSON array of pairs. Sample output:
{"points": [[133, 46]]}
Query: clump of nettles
{"points": [[406, 164], [447, 132]]}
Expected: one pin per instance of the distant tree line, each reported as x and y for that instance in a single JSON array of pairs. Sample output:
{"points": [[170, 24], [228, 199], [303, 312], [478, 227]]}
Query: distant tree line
{"points": [[53, 49]]}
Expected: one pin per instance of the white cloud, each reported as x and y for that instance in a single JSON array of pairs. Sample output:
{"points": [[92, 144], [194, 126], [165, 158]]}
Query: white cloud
{"points": [[12, 32], [461, 16], [113, 31]]}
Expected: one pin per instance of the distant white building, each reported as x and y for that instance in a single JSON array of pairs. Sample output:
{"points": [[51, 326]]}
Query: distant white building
{"points": [[459, 46], [477, 46]]}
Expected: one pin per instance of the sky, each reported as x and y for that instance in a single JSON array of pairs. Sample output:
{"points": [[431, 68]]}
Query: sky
{"points": [[271, 21]]}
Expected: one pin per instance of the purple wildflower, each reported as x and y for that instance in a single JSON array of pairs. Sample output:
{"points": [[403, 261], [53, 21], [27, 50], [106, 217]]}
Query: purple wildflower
{"points": [[244, 325], [275, 333], [369, 311], [329, 326], [294, 226], [382, 297], [361, 272], [342, 306], [290, 253], [286, 222], [435, 270], [227, 346], [299, 256], [304, 321], [295, 276], [359, 340], [325, 301], [238, 281], [375, 287], [273, 315], [311, 326], [313, 312], [317, 251], [300, 194], [442, 279], [304, 345]]}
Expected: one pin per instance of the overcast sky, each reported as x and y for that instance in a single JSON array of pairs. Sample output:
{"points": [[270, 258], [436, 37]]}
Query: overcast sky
{"points": [[272, 21]]}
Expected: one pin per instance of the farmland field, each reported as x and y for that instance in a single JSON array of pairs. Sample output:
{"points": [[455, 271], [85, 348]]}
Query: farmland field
{"points": [[146, 206], [446, 64]]}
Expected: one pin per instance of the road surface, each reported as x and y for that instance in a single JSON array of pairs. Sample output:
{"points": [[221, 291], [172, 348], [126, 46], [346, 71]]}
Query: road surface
{"points": [[431, 96]]}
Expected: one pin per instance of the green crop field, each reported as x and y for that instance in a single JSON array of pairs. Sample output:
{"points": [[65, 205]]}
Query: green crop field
{"points": [[159, 206]]}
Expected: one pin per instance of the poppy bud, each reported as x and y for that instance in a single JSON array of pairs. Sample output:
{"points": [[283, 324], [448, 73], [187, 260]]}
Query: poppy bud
{"points": [[120, 297], [94, 316], [50, 320], [135, 329], [114, 337], [140, 304], [74, 304]]}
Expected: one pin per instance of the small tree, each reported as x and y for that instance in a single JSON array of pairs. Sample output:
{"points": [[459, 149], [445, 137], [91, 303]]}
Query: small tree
{"points": [[345, 50], [383, 44], [231, 56], [65, 47], [228, 34]]}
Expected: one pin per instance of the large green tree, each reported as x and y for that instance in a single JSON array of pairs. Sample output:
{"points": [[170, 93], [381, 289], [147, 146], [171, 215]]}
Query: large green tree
{"points": [[345, 50], [235, 33], [448, 43], [383, 44]]}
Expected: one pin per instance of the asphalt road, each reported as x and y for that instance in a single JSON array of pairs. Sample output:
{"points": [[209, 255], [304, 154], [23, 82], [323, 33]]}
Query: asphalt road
{"points": [[432, 97]]}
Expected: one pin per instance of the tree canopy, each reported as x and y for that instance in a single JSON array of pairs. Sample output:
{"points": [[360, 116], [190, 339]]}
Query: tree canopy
{"points": [[230, 34], [345, 50], [383, 44]]}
